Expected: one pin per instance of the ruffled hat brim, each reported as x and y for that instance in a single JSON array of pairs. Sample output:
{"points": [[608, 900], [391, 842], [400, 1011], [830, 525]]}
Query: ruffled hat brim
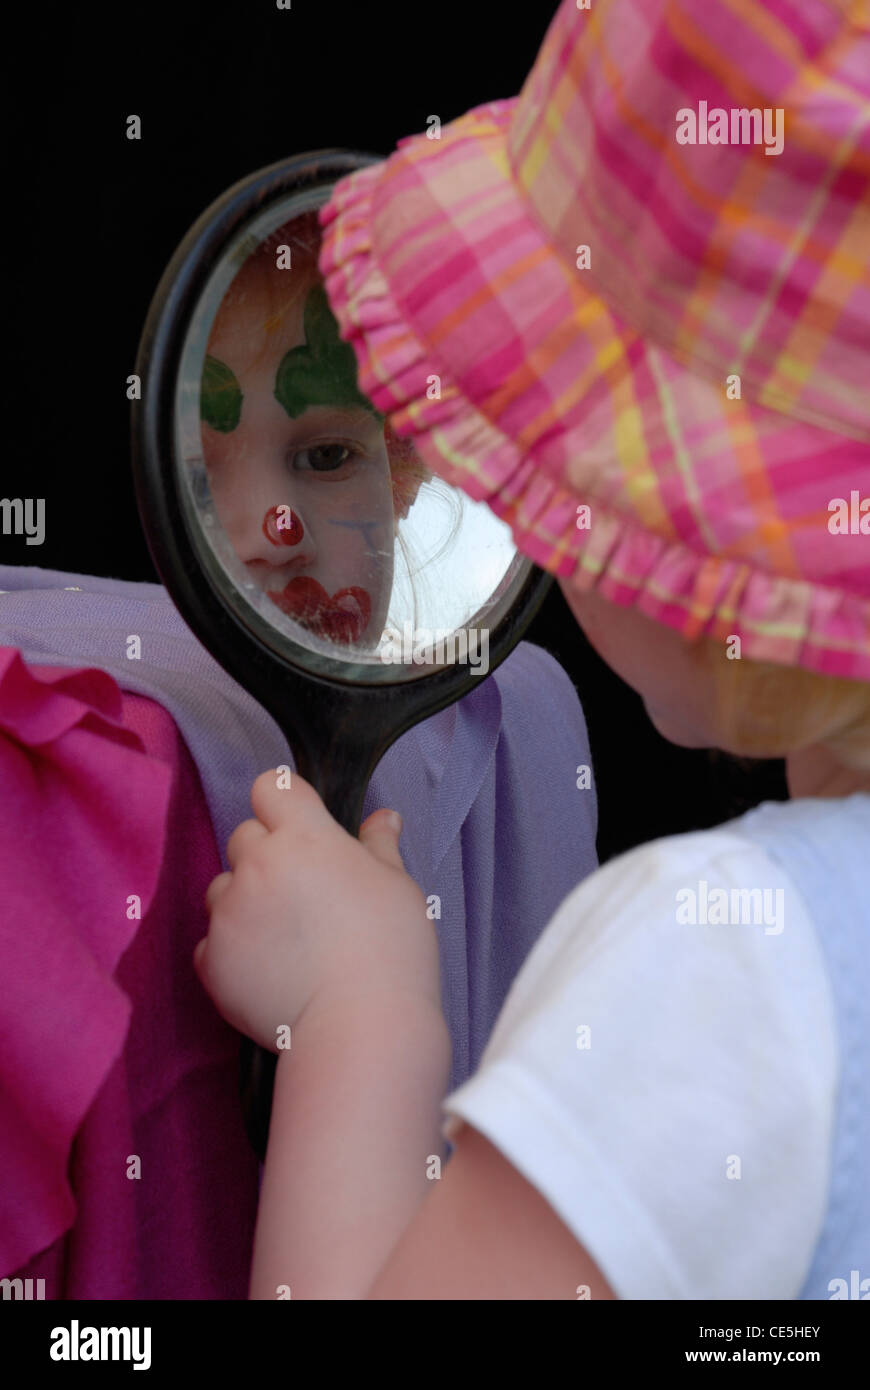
{"points": [[614, 464]]}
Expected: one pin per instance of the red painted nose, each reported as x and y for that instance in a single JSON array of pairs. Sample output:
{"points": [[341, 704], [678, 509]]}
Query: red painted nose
{"points": [[282, 526]]}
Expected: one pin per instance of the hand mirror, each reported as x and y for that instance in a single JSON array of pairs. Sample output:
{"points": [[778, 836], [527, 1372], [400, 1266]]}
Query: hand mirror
{"points": [[350, 591]]}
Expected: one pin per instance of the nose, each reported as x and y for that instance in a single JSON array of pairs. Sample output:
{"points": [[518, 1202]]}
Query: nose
{"points": [[282, 526], [278, 548]]}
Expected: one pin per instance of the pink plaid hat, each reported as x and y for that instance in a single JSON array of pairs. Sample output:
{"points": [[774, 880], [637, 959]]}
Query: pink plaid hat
{"points": [[630, 309]]}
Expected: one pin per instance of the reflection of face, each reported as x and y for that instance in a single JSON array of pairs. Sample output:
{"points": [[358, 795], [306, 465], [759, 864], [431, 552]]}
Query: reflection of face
{"points": [[305, 498]]}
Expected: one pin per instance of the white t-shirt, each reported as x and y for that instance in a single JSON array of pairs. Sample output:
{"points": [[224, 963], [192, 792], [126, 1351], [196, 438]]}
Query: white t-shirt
{"points": [[684, 1137]]}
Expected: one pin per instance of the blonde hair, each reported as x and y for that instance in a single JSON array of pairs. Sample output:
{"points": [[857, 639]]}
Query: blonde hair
{"points": [[765, 710]]}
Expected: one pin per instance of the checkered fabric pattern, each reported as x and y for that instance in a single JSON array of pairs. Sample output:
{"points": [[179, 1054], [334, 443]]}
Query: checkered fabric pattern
{"points": [[568, 307]]}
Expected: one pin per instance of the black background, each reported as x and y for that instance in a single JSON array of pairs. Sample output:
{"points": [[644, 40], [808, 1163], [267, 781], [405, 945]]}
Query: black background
{"points": [[223, 90]]}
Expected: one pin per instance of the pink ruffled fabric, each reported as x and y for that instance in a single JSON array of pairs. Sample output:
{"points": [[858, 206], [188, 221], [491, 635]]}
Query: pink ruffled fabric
{"points": [[109, 1048], [781, 618], [86, 833]]}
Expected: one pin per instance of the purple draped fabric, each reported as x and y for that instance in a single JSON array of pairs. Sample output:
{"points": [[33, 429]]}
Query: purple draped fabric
{"points": [[495, 825]]}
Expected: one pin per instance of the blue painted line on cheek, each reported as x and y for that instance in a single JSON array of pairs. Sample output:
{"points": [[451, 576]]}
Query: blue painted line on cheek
{"points": [[366, 527]]}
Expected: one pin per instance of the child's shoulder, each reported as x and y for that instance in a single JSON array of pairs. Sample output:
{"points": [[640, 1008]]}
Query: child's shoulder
{"points": [[675, 1015], [679, 908]]}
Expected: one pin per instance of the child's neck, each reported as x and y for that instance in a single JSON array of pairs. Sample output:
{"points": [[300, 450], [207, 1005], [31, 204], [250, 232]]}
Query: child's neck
{"points": [[816, 772]]}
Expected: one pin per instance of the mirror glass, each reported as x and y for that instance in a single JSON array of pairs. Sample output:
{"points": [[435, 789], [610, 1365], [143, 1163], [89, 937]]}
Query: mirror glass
{"points": [[322, 529]]}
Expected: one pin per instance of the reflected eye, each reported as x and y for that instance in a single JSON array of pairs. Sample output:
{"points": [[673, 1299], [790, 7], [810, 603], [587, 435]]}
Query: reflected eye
{"points": [[322, 458]]}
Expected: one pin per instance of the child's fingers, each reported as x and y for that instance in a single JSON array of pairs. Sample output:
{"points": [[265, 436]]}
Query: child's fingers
{"points": [[242, 836], [276, 804], [203, 964], [380, 835], [213, 891]]}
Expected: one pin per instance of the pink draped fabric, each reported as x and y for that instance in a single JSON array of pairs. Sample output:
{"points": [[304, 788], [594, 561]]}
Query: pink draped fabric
{"points": [[110, 1051]]}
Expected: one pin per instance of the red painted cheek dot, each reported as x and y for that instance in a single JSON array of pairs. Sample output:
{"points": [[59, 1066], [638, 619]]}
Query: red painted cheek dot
{"points": [[282, 526]]}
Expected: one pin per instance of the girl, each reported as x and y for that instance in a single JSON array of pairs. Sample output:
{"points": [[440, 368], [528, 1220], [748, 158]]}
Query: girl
{"points": [[121, 1130], [650, 338]]}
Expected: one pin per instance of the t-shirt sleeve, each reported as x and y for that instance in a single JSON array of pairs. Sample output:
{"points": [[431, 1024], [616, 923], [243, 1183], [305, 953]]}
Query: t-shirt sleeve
{"points": [[666, 1078]]}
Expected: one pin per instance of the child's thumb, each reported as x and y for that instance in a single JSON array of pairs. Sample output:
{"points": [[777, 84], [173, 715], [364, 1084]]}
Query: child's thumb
{"points": [[380, 835]]}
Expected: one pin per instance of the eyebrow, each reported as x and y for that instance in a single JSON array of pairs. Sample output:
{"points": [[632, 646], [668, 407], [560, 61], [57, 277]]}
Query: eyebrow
{"points": [[340, 409], [353, 413]]}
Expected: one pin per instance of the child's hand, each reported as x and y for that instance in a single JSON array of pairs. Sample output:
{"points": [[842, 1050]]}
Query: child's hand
{"points": [[309, 912]]}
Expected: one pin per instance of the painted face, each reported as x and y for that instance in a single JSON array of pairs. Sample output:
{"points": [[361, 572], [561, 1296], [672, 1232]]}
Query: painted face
{"points": [[296, 457]]}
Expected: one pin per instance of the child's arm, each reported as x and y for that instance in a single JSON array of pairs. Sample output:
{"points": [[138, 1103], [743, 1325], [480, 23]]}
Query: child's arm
{"points": [[355, 1126], [325, 934]]}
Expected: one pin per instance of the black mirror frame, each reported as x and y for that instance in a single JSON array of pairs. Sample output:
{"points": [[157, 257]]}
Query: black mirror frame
{"points": [[338, 729]]}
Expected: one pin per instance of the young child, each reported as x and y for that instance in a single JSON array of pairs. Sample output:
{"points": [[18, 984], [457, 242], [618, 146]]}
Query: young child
{"points": [[642, 286], [110, 714]]}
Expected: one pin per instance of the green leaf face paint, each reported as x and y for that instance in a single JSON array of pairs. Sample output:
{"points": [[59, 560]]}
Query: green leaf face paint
{"points": [[220, 399], [323, 372]]}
